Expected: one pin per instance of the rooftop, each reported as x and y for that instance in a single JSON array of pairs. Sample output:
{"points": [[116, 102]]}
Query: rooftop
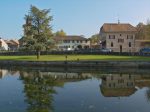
{"points": [[118, 27], [69, 37]]}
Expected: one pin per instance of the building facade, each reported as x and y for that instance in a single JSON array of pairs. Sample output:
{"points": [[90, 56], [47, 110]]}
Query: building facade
{"points": [[67, 43], [118, 37], [3, 45], [13, 45]]}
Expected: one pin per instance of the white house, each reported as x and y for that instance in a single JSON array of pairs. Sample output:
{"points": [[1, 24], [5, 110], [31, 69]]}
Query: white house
{"points": [[3, 45], [71, 42]]}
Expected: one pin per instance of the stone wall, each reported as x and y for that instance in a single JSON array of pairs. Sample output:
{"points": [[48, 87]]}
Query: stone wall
{"points": [[108, 64]]}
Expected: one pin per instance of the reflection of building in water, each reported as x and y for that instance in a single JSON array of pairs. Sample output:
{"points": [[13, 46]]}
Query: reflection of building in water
{"points": [[39, 88], [143, 81], [3, 73], [118, 85], [58, 75], [64, 76]]}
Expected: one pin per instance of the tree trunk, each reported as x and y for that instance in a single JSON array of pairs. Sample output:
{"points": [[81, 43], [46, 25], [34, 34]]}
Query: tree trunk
{"points": [[38, 54]]}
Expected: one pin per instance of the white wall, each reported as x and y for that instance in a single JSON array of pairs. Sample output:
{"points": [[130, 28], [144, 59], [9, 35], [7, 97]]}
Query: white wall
{"points": [[4, 45]]}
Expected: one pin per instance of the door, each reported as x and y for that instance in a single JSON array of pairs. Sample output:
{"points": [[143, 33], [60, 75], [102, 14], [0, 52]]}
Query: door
{"points": [[120, 48]]}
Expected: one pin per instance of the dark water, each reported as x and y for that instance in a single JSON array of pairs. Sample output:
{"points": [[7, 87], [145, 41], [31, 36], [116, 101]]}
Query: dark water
{"points": [[74, 91]]}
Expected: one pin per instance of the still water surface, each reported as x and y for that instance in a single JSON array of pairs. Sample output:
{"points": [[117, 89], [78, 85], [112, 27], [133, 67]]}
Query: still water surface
{"points": [[40, 91]]}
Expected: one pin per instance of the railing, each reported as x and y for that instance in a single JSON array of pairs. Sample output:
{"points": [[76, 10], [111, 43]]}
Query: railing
{"points": [[20, 53]]}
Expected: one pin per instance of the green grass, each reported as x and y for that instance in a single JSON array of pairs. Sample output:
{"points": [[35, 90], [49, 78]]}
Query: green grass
{"points": [[75, 57]]}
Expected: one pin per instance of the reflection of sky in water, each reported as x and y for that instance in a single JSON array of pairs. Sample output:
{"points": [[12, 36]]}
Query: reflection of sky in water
{"points": [[85, 96], [76, 93]]}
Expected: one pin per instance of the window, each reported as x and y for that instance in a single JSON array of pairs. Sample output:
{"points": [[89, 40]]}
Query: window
{"points": [[112, 45], [66, 41], [111, 36], [120, 40], [129, 36], [72, 41], [120, 35], [129, 44]]}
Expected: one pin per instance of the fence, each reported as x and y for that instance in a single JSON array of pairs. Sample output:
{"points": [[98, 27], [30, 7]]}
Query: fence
{"points": [[20, 53]]}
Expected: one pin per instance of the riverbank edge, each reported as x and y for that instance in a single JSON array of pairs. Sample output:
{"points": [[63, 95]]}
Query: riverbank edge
{"points": [[111, 64]]}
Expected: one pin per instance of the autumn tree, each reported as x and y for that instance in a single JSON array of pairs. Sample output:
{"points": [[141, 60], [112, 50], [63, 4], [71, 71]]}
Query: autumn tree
{"points": [[95, 39], [143, 31], [60, 33]]}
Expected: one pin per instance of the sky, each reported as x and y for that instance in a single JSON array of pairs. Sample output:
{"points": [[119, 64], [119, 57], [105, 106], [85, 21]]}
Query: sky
{"points": [[75, 17]]}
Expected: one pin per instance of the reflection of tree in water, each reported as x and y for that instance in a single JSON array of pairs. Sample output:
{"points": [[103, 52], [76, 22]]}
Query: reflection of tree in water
{"points": [[148, 94], [39, 90]]}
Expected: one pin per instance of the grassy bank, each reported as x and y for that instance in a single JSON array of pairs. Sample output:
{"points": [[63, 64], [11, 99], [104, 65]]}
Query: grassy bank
{"points": [[75, 57]]}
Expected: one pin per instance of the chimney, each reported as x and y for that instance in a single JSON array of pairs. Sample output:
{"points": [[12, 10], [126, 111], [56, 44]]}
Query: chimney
{"points": [[118, 21]]}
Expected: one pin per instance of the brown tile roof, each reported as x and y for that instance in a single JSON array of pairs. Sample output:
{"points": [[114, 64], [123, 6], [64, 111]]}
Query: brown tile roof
{"points": [[115, 27], [60, 38], [12, 42]]}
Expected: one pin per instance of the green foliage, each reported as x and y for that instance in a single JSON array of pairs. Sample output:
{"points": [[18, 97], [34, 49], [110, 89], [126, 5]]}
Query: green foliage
{"points": [[39, 90], [60, 33], [95, 39], [37, 30]]}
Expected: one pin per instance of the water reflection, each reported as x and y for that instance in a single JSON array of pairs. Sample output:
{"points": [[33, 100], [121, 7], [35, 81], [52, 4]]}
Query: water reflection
{"points": [[119, 85], [39, 87]]}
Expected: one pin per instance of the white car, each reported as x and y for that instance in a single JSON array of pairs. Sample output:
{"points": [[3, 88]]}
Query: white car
{"points": [[106, 50]]}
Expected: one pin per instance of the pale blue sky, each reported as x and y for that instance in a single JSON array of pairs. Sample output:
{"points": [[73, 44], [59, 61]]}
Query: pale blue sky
{"points": [[76, 17]]}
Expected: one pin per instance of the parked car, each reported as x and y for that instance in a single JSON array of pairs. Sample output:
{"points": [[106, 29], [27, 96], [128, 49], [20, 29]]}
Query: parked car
{"points": [[106, 50], [145, 51]]}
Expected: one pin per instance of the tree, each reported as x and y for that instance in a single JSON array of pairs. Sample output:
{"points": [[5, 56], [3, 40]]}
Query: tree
{"points": [[95, 39], [37, 30], [60, 33], [143, 31]]}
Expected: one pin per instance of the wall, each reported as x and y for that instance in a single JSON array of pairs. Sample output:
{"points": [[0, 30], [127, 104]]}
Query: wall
{"points": [[116, 44], [4, 46]]}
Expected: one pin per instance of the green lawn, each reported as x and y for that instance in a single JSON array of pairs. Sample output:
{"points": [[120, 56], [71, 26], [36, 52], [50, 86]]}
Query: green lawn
{"points": [[75, 57]]}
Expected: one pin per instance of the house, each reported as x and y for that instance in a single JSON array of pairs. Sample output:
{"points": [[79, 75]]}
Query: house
{"points": [[64, 43], [3, 45], [119, 37], [13, 45]]}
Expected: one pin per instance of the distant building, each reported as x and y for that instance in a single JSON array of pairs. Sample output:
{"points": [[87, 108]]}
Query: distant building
{"points": [[3, 45], [118, 37], [13, 45], [139, 44], [71, 42]]}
